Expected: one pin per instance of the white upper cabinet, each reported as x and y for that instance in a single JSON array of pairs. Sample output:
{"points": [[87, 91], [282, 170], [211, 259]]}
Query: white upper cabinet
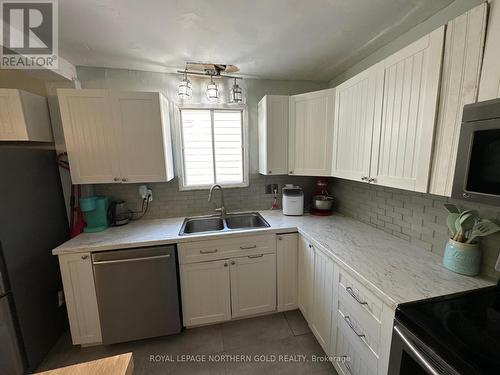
{"points": [[24, 117], [114, 136], [273, 134], [489, 87], [311, 118], [144, 121], [90, 135], [402, 145], [358, 106], [463, 54]]}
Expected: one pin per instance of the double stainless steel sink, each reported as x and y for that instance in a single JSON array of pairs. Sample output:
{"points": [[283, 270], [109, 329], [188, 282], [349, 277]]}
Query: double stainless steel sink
{"points": [[240, 221]]}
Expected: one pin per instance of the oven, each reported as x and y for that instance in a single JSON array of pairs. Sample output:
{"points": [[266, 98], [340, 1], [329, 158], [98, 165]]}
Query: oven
{"points": [[411, 356], [477, 170]]}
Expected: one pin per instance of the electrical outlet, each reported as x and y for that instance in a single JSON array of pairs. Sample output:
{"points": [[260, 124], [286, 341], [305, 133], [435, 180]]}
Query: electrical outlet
{"points": [[144, 192], [271, 187]]}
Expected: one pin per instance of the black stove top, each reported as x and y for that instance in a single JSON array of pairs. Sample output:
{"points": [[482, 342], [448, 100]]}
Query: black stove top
{"points": [[463, 329]]}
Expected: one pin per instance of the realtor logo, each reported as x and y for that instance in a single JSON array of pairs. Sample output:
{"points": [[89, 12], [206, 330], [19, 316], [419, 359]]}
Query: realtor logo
{"points": [[29, 34]]}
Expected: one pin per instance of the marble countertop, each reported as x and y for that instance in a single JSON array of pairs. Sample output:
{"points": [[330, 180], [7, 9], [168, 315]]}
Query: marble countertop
{"points": [[393, 269]]}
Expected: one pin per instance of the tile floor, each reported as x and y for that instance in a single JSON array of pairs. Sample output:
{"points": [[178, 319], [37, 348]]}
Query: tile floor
{"points": [[278, 334]]}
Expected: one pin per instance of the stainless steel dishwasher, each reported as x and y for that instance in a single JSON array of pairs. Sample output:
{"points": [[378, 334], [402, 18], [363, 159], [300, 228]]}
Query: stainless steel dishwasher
{"points": [[137, 293]]}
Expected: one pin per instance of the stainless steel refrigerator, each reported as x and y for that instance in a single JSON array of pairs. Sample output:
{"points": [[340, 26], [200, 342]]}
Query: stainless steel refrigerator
{"points": [[32, 222]]}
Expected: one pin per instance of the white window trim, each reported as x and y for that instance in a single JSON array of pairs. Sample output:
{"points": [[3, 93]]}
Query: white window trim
{"points": [[178, 143]]}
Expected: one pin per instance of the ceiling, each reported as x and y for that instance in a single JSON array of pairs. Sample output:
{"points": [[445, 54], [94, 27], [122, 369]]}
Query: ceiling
{"points": [[271, 39]]}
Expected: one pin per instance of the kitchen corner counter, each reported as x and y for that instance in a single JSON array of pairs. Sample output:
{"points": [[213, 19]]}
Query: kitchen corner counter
{"points": [[393, 269]]}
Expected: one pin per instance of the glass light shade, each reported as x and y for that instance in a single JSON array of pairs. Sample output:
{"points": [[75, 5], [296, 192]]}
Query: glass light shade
{"points": [[212, 91], [236, 93], [185, 89]]}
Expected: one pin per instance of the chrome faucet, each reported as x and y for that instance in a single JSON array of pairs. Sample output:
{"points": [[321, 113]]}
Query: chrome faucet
{"points": [[222, 208]]}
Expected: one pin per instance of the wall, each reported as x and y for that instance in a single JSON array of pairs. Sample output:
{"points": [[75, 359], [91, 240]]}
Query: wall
{"points": [[168, 200], [455, 9], [414, 217]]}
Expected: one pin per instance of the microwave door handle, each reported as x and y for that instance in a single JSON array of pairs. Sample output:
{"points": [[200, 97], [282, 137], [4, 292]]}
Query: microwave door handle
{"points": [[419, 357]]}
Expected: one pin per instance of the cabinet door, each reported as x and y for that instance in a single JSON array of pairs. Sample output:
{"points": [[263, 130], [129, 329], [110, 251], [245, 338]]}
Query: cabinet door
{"points": [[90, 136], [81, 301], [205, 292], [358, 105], [273, 134], [287, 269], [253, 284], [463, 55], [321, 320], [403, 143], [306, 277], [359, 359], [12, 126], [144, 136], [311, 129]]}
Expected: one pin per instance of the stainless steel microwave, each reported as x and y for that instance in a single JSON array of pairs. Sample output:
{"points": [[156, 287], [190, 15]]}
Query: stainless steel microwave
{"points": [[477, 171]]}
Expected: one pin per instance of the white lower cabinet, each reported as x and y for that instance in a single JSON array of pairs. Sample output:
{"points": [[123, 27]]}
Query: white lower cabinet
{"points": [[217, 290], [321, 312], [205, 292], [287, 269], [81, 301], [351, 324], [253, 284], [361, 328], [306, 277]]}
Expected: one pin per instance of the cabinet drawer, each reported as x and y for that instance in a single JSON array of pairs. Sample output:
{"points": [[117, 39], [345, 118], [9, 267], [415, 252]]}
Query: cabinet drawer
{"points": [[360, 358], [369, 330], [232, 247], [360, 299]]}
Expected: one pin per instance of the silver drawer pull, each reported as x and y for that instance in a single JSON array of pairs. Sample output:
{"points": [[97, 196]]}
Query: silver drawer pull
{"points": [[248, 247], [348, 368], [351, 292], [131, 259], [256, 256], [349, 323], [208, 251]]}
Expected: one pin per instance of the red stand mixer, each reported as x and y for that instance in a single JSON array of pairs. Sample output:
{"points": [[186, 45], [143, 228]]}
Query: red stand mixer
{"points": [[322, 202]]}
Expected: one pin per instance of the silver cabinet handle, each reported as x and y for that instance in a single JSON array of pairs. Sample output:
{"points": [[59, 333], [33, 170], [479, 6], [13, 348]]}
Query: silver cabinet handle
{"points": [[131, 259], [371, 179], [280, 238], [349, 323], [85, 256], [310, 246], [291, 172], [233, 262], [351, 292], [208, 251], [270, 172], [248, 247], [124, 179], [364, 178], [225, 264], [116, 179], [256, 256], [419, 356]]}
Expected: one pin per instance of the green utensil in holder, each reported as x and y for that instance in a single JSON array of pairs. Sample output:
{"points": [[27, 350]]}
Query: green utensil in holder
{"points": [[95, 213], [462, 258]]}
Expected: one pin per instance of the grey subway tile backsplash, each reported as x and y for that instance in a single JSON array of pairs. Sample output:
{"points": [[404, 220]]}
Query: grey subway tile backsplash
{"points": [[414, 217]]}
